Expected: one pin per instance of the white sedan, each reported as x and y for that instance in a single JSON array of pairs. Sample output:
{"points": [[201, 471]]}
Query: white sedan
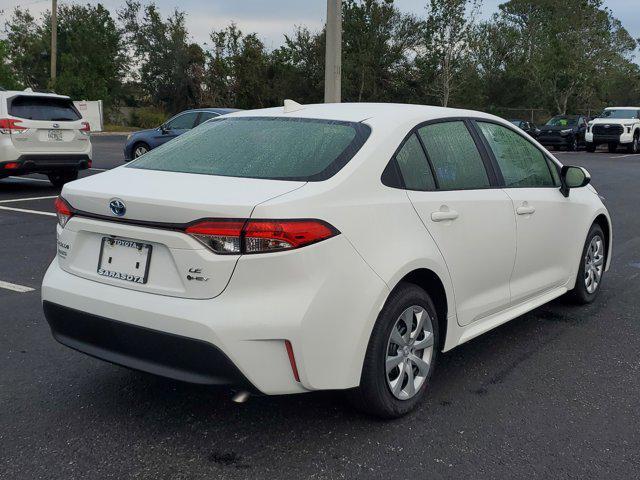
{"points": [[337, 246]]}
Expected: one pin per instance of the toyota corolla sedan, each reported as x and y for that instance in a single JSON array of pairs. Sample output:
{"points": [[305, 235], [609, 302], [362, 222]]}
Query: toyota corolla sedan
{"points": [[337, 246]]}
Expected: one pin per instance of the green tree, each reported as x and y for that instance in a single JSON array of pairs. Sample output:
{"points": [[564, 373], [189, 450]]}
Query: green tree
{"points": [[169, 67], [7, 77], [449, 35], [91, 54]]}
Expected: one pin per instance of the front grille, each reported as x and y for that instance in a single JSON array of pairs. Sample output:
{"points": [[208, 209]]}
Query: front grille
{"points": [[607, 129], [550, 133]]}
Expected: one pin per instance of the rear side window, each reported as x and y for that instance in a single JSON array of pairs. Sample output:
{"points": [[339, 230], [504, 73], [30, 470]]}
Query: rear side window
{"points": [[261, 147], [44, 108], [522, 163], [455, 158], [414, 166]]}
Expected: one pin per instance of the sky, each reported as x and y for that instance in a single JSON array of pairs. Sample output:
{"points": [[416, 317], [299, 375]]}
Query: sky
{"points": [[271, 19]]}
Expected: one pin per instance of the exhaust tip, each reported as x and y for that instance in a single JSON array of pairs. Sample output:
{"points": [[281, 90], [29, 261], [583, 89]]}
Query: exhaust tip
{"points": [[240, 397]]}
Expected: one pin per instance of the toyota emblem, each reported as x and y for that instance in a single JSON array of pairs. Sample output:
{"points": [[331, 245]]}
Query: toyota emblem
{"points": [[117, 207]]}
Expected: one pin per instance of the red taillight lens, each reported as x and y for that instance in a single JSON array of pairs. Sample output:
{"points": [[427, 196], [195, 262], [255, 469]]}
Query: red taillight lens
{"points": [[259, 236], [86, 128], [8, 125], [272, 235], [221, 236], [64, 211], [11, 165]]}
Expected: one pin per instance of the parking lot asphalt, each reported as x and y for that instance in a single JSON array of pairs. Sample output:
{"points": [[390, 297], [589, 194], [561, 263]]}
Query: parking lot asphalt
{"points": [[552, 394]]}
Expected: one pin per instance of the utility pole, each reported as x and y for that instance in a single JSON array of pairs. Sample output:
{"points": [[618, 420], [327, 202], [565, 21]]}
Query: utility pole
{"points": [[54, 39], [333, 58]]}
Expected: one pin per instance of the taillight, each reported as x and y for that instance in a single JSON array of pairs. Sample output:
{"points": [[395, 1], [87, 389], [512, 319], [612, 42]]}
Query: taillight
{"points": [[11, 165], [9, 125], [221, 236], [259, 236], [63, 210], [85, 128]]}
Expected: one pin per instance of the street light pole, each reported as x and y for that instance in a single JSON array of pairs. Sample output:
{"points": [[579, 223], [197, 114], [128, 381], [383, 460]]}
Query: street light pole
{"points": [[54, 38], [333, 58]]}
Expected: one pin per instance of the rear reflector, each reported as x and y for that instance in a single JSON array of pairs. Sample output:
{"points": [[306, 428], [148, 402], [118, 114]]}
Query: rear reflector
{"points": [[63, 210], [259, 236], [86, 128], [292, 360], [11, 165]]}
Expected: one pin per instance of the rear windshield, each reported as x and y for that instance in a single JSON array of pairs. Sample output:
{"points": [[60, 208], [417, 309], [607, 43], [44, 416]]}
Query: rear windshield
{"points": [[44, 108], [261, 147]]}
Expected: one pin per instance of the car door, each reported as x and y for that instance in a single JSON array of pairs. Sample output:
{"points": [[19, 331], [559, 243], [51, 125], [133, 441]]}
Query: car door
{"points": [[176, 126], [546, 220], [452, 189]]}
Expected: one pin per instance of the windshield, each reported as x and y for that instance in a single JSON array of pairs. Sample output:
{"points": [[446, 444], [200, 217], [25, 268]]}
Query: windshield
{"points": [[261, 147], [619, 113], [562, 121], [517, 123], [44, 108]]}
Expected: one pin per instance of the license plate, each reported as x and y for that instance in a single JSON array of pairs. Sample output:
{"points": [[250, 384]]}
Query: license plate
{"points": [[55, 135], [124, 260]]}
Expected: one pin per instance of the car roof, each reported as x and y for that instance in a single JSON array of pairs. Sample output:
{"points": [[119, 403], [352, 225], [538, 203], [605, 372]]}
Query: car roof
{"points": [[372, 113], [212, 109], [30, 93]]}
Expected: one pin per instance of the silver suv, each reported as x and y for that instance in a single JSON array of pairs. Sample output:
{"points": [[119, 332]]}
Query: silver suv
{"points": [[42, 133]]}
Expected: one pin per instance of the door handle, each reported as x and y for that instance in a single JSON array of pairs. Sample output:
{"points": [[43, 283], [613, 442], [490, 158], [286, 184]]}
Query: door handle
{"points": [[525, 209], [441, 216]]}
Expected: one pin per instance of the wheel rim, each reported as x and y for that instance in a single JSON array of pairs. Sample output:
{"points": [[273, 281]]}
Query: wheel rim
{"points": [[139, 151], [594, 264], [409, 352], [574, 147]]}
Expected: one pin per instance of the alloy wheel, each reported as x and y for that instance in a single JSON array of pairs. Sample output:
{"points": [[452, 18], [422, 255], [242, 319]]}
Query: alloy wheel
{"points": [[594, 264], [139, 151], [409, 352]]}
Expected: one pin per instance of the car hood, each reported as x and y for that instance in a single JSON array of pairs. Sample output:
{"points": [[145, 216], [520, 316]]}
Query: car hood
{"points": [[550, 128], [613, 121]]}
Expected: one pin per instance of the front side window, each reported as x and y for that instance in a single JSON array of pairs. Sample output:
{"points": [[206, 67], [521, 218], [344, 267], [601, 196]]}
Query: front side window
{"points": [[182, 122], [204, 116], [522, 163], [261, 147], [455, 158], [414, 166]]}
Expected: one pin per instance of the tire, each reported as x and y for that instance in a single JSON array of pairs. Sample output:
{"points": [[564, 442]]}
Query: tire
{"points": [[58, 179], [581, 293], [140, 149], [590, 147], [573, 146], [374, 396], [633, 147], [613, 147]]}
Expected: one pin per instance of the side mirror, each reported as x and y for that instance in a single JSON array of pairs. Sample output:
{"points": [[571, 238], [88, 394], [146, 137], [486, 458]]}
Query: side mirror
{"points": [[164, 128], [573, 177]]}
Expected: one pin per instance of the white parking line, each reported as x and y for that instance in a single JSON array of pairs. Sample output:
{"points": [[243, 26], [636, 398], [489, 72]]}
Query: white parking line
{"points": [[99, 169], [623, 156], [27, 199], [15, 287], [32, 179], [24, 210]]}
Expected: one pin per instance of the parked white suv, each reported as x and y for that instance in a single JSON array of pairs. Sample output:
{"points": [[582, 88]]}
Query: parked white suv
{"points": [[615, 126], [334, 246], [42, 133]]}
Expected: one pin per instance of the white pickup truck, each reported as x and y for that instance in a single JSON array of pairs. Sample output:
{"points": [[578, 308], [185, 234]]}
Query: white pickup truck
{"points": [[615, 126]]}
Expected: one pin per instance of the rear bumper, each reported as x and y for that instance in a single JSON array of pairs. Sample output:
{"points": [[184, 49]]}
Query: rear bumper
{"points": [[43, 163], [141, 348], [305, 296]]}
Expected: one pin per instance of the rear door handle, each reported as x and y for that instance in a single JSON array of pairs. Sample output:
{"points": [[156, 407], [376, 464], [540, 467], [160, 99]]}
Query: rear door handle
{"points": [[525, 209], [441, 216]]}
